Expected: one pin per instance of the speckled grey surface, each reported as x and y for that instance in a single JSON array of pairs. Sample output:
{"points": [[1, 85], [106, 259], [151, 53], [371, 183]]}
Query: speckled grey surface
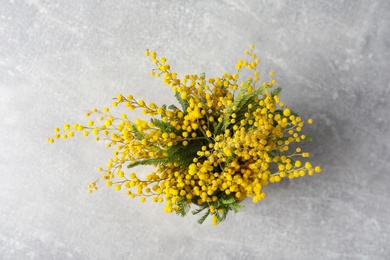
{"points": [[61, 58]]}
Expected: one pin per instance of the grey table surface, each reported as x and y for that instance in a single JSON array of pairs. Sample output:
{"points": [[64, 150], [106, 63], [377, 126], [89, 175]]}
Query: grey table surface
{"points": [[59, 59]]}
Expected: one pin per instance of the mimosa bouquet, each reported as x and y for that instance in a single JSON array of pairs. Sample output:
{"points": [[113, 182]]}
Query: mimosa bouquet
{"points": [[222, 143]]}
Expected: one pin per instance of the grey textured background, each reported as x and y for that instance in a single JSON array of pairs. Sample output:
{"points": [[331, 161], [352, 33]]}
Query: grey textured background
{"points": [[60, 58]]}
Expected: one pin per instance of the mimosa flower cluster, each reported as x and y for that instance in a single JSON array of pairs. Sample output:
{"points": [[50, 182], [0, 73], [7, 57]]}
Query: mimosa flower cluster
{"points": [[229, 139]]}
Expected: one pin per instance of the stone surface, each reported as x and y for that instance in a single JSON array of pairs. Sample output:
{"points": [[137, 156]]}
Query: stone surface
{"points": [[61, 58]]}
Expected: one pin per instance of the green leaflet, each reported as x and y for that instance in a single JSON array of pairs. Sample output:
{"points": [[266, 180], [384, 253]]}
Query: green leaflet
{"points": [[150, 161], [199, 210], [173, 107], [203, 218], [218, 128], [203, 75], [184, 207], [276, 91], [183, 103], [241, 102], [236, 207], [165, 127], [225, 202], [138, 134], [184, 155], [228, 200]]}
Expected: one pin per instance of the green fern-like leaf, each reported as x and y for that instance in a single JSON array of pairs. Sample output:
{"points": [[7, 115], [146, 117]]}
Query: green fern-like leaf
{"points": [[218, 128], [138, 134], [228, 200], [165, 127], [184, 207], [219, 217], [149, 161], [276, 91], [235, 207], [174, 108], [241, 102], [197, 211], [184, 103], [203, 218], [203, 75], [229, 159], [184, 155]]}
